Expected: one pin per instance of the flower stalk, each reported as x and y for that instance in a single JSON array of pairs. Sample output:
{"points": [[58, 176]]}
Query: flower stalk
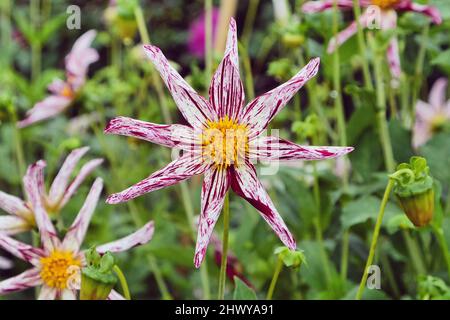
{"points": [[123, 282], [274, 280], [223, 264]]}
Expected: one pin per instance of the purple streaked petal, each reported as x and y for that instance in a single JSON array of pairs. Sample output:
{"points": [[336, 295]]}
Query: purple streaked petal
{"points": [[260, 111], [74, 237], [28, 279], [21, 250], [140, 237], [348, 32], [226, 92], [47, 293], [272, 148], [322, 5], [247, 185], [85, 170], [215, 186], [61, 181], [10, 225], [195, 109], [438, 93], [173, 136], [47, 231], [80, 57], [178, 170], [13, 205], [430, 11], [45, 109], [114, 295]]}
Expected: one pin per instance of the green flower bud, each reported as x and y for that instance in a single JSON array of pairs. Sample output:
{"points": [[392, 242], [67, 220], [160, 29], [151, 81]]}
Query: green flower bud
{"points": [[290, 258], [414, 190], [98, 278], [292, 40]]}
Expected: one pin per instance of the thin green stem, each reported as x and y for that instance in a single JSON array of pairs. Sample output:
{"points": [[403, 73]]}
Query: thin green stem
{"points": [[223, 263], [249, 21], [443, 244], [414, 252], [208, 41], [123, 282], [274, 280], [362, 45], [248, 72], [344, 254], [390, 274], [385, 138], [35, 43], [18, 142], [376, 233]]}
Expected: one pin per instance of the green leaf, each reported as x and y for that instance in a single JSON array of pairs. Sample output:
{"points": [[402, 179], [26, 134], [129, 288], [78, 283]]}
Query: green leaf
{"points": [[50, 27], [242, 291]]}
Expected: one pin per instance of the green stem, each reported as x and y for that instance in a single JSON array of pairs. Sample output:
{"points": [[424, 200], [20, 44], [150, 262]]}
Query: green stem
{"points": [[276, 274], [443, 244], [223, 263], [344, 254], [362, 45], [248, 72], [208, 41], [418, 70], [249, 21], [18, 142], [414, 253], [35, 43], [385, 138], [376, 233], [392, 282], [123, 282]]}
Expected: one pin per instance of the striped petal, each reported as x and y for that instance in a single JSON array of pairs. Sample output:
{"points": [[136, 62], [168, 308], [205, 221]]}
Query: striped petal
{"points": [[114, 295], [28, 279], [45, 109], [82, 175], [173, 136], [47, 293], [226, 92], [21, 250], [140, 237], [74, 237], [438, 93], [12, 225], [260, 111], [215, 186], [195, 109], [322, 5], [80, 57], [273, 148], [61, 181], [47, 231], [178, 170], [247, 185], [348, 32], [430, 11], [13, 205]]}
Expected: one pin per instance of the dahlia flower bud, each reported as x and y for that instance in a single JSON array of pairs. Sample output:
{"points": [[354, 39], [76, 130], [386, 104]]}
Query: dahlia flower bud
{"points": [[414, 190], [290, 258], [98, 278]]}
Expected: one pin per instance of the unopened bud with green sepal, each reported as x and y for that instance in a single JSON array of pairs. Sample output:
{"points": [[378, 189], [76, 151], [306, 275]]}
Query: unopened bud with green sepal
{"points": [[414, 190], [290, 258], [98, 277]]}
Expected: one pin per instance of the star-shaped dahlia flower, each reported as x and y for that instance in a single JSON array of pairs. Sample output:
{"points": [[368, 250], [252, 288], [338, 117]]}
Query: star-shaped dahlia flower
{"points": [[388, 20], [221, 141], [431, 117], [57, 263], [20, 213], [63, 93]]}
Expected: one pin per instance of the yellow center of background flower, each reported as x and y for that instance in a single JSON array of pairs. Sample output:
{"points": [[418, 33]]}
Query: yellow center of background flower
{"points": [[67, 92], [438, 122], [385, 4], [58, 268], [224, 142]]}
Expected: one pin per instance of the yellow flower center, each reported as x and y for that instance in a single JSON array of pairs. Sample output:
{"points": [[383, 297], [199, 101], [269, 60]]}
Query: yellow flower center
{"points": [[225, 142], [385, 4], [58, 268], [438, 122], [67, 92]]}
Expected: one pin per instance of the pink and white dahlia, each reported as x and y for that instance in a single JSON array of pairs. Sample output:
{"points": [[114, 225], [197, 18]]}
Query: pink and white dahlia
{"points": [[432, 116], [21, 215], [387, 20], [222, 138], [56, 264], [63, 93]]}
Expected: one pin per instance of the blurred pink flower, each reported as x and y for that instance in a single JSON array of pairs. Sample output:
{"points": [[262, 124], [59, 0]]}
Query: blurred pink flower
{"points": [[221, 140], [197, 33], [388, 20], [20, 213], [431, 116], [5, 263], [57, 264], [64, 92]]}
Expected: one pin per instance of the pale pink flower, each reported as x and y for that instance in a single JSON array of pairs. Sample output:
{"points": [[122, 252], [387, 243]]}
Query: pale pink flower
{"points": [[20, 212], [225, 163], [197, 33], [431, 116], [388, 20], [63, 93], [56, 264]]}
